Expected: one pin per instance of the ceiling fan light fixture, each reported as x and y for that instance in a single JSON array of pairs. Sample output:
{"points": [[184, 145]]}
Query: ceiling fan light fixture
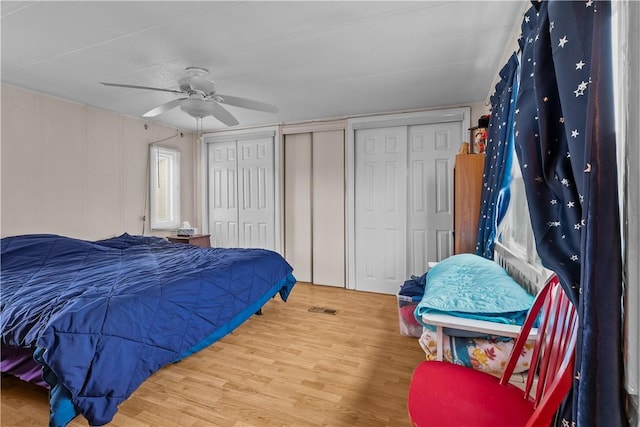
{"points": [[196, 106]]}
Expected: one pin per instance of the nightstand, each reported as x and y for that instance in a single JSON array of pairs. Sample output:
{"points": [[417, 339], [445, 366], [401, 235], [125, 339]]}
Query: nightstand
{"points": [[201, 240]]}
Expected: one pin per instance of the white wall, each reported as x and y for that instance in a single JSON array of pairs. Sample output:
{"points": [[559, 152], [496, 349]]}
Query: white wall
{"points": [[79, 171]]}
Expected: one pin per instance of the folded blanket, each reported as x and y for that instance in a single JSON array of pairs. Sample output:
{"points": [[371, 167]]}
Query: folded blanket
{"points": [[471, 286]]}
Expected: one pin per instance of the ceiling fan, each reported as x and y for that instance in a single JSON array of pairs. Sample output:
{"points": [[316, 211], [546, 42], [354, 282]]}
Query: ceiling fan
{"points": [[201, 99]]}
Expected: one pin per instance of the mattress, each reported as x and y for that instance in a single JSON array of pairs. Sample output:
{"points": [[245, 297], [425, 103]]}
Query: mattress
{"points": [[101, 317]]}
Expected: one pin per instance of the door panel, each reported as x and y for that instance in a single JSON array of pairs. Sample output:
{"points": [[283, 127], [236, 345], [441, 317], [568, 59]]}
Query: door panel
{"points": [[297, 204], [328, 208], [380, 208], [432, 149], [256, 195], [223, 206]]}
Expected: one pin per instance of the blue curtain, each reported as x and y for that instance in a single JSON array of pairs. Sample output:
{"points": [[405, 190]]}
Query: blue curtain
{"points": [[499, 159], [565, 141]]}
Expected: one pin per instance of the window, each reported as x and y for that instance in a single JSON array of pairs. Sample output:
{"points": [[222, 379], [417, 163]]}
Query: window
{"points": [[515, 230], [164, 184], [625, 50]]}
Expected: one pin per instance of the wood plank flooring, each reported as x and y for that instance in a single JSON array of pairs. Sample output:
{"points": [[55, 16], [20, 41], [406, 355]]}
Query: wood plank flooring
{"points": [[288, 367]]}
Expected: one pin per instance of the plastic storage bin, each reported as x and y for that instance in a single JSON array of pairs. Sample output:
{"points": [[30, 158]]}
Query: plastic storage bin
{"points": [[409, 326]]}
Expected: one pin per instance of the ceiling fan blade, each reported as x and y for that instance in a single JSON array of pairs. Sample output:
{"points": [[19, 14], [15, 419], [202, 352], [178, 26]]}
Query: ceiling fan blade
{"points": [[220, 113], [247, 103], [141, 87], [163, 108]]}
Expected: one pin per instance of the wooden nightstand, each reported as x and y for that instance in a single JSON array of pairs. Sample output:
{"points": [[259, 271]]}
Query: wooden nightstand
{"points": [[201, 240]]}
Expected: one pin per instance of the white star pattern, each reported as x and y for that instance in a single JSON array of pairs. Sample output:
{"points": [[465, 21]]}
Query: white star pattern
{"points": [[554, 126], [580, 89], [563, 41]]}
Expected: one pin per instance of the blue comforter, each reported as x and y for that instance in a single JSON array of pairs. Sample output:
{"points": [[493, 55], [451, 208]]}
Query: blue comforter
{"points": [[105, 315]]}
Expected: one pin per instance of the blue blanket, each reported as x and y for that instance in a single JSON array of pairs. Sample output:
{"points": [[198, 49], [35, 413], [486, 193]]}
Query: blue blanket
{"points": [[468, 285], [105, 315]]}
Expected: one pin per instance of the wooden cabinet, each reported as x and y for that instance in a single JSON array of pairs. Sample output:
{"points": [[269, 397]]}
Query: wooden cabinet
{"points": [[467, 194], [201, 240]]}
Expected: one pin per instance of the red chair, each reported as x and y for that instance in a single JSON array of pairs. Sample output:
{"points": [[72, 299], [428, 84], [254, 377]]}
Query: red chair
{"points": [[448, 395]]}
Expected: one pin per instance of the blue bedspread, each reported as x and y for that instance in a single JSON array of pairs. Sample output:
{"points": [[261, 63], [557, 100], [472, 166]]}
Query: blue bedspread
{"points": [[105, 315]]}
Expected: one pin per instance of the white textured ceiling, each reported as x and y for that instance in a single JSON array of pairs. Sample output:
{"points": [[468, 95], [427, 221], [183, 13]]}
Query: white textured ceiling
{"points": [[313, 60]]}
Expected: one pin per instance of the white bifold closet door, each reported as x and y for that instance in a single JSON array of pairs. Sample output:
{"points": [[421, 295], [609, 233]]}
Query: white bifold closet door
{"points": [[403, 201], [241, 193], [314, 206]]}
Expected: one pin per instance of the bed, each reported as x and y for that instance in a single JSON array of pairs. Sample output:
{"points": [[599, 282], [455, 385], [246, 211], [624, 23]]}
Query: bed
{"points": [[101, 317]]}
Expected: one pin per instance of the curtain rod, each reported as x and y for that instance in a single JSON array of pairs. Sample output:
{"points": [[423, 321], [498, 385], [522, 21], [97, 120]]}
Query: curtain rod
{"points": [[180, 134]]}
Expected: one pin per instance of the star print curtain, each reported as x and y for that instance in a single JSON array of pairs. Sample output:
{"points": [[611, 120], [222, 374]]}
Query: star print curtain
{"points": [[498, 160], [565, 141]]}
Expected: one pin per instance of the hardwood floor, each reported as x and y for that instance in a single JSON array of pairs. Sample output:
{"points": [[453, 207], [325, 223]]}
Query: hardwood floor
{"points": [[288, 367]]}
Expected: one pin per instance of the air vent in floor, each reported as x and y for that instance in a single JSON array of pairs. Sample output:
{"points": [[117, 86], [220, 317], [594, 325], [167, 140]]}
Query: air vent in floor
{"points": [[323, 310]]}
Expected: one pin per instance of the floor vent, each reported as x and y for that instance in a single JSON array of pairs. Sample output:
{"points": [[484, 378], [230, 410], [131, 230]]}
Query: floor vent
{"points": [[323, 310]]}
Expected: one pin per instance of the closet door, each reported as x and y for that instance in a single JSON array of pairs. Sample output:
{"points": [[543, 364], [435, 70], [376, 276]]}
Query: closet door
{"points": [[328, 218], [315, 206], [297, 204], [223, 190], [432, 148], [241, 192], [256, 215], [403, 202], [380, 208]]}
